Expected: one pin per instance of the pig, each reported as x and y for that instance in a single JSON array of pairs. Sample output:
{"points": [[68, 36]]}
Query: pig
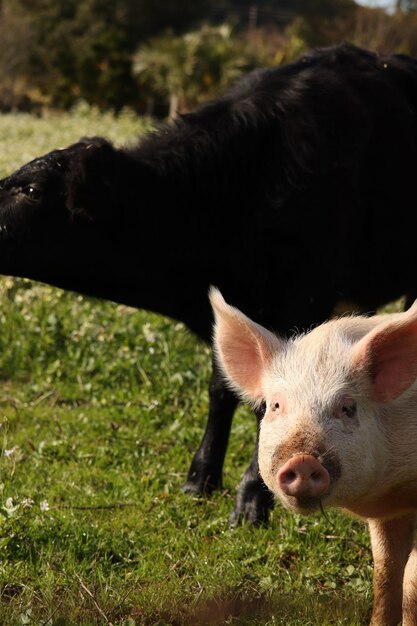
{"points": [[339, 428]]}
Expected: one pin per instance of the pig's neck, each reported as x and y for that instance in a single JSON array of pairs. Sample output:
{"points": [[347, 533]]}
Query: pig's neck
{"points": [[390, 503], [395, 489]]}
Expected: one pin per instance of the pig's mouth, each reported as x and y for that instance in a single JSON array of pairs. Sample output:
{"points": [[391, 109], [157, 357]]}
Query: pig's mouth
{"points": [[304, 505]]}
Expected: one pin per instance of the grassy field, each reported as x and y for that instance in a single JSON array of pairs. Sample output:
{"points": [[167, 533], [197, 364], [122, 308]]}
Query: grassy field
{"points": [[101, 409]]}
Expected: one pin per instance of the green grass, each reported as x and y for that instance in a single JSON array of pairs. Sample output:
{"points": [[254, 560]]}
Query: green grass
{"points": [[101, 409]]}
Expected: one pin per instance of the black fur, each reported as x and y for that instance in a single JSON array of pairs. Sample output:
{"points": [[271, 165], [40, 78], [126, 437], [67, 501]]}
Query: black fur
{"points": [[93, 181], [293, 191]]}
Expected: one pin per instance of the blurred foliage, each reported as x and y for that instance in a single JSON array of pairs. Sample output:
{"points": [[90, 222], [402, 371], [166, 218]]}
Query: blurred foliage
{"points": [[77, 50], [407, 5], [386, 33], [189, 69], [157, 56]]}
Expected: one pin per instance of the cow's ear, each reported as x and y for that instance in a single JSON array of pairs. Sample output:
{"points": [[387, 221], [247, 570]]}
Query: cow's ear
{"points": [[92, 179]]}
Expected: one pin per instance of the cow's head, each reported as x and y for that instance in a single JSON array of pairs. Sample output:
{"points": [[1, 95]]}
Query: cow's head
{"points": [[57, 201], [78, 180]]}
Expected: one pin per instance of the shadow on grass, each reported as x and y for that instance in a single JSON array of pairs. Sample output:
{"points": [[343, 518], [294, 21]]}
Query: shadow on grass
{"points": [[233, 608], [305, 610]]}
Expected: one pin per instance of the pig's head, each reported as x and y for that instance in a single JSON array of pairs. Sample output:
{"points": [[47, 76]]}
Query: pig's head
{"points": [[327, 393]]}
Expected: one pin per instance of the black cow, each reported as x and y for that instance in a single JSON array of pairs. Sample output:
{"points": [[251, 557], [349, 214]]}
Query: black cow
{"points": [[295, 190]]}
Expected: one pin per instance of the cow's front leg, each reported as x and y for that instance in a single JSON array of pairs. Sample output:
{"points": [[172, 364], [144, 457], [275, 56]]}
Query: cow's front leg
{"points": [[205, 473], [253, 499]]}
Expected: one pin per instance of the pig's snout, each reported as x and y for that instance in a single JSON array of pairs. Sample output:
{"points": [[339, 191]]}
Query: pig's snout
{"points": [[303, 476]]}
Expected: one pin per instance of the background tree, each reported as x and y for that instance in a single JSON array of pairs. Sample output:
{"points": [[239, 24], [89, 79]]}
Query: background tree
{"points": [[406, 5], [139, 52], [16, 39], [189, 69], [81, 50], [386, 33]]}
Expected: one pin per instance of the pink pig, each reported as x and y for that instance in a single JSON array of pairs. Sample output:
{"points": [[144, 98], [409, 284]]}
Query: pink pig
{"points": [[340, 429]]}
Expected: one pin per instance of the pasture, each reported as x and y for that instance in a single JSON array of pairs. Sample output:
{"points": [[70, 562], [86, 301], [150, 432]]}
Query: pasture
{"points": [[101, 410]]}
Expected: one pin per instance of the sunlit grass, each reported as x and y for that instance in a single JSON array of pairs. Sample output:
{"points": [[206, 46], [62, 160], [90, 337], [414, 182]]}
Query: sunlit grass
{"points": [[24, 137], [101, 409]]}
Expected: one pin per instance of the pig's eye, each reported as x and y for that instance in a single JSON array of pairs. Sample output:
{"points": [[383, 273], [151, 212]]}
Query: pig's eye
{"points": [[348, 409], [275, 406]]}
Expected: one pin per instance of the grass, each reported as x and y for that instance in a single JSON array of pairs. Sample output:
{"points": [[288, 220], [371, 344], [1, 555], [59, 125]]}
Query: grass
{"points": [[101, 409]]}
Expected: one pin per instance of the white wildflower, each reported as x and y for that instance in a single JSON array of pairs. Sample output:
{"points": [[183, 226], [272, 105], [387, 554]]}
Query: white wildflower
{"points": [[27, 503], [149, 334], [9, 453]]}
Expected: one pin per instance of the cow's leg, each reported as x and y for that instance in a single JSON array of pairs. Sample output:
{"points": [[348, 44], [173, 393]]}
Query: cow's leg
{"points": [[253, 500], [205, 473]]}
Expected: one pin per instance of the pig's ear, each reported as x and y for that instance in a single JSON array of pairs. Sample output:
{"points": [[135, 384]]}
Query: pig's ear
{"points": [[389, 355], [244, 349]]}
